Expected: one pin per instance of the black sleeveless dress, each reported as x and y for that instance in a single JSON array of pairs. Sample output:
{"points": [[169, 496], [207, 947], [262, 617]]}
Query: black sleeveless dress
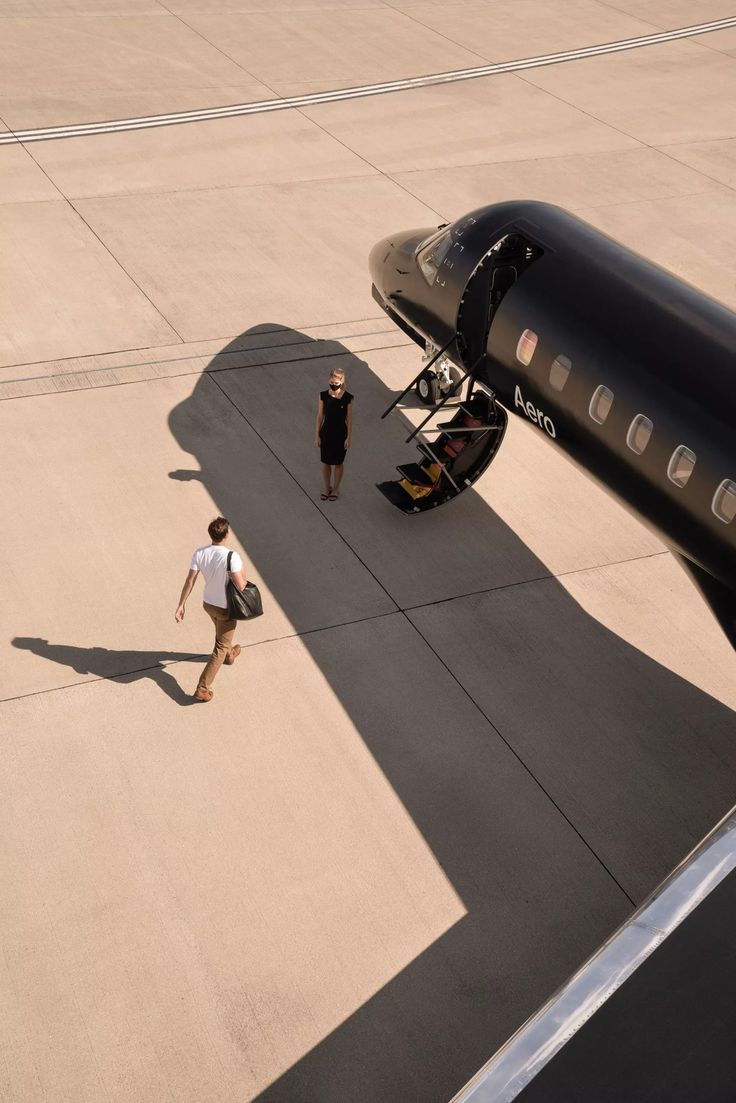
{"points": [[334, 429]]}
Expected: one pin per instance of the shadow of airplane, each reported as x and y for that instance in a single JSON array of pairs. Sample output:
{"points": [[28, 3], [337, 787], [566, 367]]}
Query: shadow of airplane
{"points": [[103, 663], [639, 761], [632, 762]]}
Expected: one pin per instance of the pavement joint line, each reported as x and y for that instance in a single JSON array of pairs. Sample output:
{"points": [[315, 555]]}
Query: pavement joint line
{"points": [[537, 578], [195, 341], [190, 356], [174, 375], [196, 657], [658, 198], [361, 91], [122, 268], [197, 189], [405, 610], [466, 692], [706, 175]]}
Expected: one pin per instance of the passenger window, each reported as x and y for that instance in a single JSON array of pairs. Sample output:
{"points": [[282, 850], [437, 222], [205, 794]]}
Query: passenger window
{"points": [[600, 404], [526, 346], [559, 372], [639, 433], [681, 465], [724, 501]]}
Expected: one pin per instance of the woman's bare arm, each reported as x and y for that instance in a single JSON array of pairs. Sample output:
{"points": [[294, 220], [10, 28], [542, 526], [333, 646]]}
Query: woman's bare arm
{"points": [[320, 419]]}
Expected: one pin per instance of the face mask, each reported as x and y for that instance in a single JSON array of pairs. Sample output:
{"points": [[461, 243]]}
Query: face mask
{"points": [[334, 386]]}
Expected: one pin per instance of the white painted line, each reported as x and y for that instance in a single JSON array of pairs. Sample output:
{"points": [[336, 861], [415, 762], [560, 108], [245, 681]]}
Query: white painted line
{"points": [[258, 107]]}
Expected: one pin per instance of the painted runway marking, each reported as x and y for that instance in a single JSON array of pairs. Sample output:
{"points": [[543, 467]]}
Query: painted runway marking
{"points": [[147, 122]]}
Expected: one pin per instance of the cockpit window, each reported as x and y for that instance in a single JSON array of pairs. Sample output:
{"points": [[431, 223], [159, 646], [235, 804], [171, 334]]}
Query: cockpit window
{"points": [[639, 433], [526, 346], [431, 255], [681, 465], [600, 404], [724, 501]]}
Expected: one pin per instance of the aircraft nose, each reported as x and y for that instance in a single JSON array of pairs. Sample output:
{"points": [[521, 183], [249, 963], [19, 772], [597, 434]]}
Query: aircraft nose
{"points": [[393, 258]]}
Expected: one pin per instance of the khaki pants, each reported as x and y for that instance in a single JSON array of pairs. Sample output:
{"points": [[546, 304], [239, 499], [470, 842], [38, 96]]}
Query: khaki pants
{"points": [[225, 626]]}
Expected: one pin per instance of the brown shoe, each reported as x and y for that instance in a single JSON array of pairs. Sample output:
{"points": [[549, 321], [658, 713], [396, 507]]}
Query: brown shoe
{"points": [[204, 694], [232, 655]]}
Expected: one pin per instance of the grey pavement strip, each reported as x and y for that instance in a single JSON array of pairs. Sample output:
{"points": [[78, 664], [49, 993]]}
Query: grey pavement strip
{"points": [[280, 104], [142, 371]]}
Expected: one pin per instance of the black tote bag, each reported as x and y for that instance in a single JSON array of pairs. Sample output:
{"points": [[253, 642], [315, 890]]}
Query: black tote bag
{"points": [[243, 604]]}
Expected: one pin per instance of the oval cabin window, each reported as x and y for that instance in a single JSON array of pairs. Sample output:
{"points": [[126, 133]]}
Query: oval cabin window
{"points": [[724, 501], [639, 433], [559, 372], [600, 404], [681, 465], [526, 346]]}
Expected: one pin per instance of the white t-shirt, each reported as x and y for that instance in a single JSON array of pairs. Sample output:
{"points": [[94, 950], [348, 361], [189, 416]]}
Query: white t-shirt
{"points": [[212, 562]]}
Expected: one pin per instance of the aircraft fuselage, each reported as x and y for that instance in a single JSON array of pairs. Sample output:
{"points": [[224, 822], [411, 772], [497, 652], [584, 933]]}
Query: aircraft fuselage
{"points": [[627, 369]]}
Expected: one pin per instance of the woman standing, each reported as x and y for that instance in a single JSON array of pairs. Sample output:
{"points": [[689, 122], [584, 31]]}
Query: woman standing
{"points": [[333, 432]]}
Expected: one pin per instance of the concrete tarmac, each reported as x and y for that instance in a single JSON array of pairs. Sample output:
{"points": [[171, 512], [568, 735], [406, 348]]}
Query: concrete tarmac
{"points": [[458, 748]]}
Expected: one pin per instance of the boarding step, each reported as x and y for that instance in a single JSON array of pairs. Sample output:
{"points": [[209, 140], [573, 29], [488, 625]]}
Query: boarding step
{"points": [[415, 473]]}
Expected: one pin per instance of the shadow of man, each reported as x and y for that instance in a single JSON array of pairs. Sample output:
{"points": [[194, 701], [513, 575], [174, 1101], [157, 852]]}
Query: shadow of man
{"points": [[117, 666], [583, 716]]}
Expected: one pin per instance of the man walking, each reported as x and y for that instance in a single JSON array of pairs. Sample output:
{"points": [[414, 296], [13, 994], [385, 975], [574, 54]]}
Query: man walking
{"points": [[211, 560]]}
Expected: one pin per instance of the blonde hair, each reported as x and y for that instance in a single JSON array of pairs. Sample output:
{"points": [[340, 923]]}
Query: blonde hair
{"points": [[339, 372]]}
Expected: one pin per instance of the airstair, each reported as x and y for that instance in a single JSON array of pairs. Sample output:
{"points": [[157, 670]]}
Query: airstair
{"points": [[453, 454]]}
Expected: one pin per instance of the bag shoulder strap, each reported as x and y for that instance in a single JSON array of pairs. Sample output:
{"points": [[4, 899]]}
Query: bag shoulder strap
{"points": [[229, 557]]}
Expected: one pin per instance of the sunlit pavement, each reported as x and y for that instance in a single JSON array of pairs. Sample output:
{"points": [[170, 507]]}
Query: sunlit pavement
{"points": [[457, 748]]}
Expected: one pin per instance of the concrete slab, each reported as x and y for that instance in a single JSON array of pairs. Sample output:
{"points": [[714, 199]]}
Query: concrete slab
{"points": [[509, 29], [408, 5], [59, 54], [223, 153], [21, 180], [714, 159], [45, 9], [641, 760], [94, 524], [339, 864], [586, 180], [693, 237], [189, 7], [669, 14], [356, 46], [723, 41], [291, 254], [84, 104], [62, 294], [531, 515], [679, 92], [286, 88], [490, 119], [200, 899]]}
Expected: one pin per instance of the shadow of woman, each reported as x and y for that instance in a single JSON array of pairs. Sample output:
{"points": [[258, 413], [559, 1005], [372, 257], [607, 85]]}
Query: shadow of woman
{"points": [[116, 666]]}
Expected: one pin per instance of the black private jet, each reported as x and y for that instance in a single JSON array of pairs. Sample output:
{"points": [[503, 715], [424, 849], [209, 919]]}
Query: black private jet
{"points": [[625, 368], [631, 372]]}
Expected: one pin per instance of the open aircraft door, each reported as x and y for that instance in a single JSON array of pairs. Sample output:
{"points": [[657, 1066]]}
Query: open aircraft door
{"points": [[469, 440]]}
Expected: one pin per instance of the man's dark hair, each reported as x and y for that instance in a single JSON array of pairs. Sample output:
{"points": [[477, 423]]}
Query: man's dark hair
{"points": [[218, 529]]}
